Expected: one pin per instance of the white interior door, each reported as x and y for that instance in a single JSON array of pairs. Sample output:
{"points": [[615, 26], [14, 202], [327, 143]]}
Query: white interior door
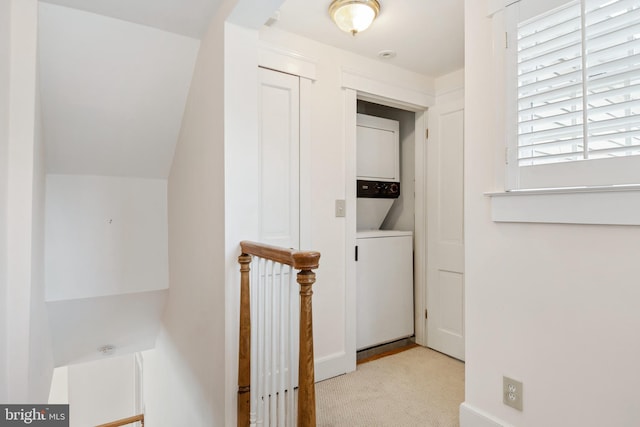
{"points": [[279, 196], [279, 159], [445, 247]]}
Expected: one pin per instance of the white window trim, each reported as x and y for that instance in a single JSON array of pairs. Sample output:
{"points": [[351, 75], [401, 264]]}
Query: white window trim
{"points": [[617, 205]]}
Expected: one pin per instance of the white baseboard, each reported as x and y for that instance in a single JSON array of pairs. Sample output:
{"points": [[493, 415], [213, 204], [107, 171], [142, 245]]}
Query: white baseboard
{"points": [[473, 417], [333, 365]]}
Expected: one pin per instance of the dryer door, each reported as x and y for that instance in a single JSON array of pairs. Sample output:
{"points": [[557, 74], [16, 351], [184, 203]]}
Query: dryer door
{"points": [[378, 149]]}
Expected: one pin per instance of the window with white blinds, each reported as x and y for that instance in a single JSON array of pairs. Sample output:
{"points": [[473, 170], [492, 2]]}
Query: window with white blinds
{"points": [[578, 86]]}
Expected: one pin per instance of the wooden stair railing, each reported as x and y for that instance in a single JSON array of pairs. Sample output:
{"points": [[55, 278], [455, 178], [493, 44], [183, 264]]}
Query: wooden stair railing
{"points": [[125, 421], [305, 262]]}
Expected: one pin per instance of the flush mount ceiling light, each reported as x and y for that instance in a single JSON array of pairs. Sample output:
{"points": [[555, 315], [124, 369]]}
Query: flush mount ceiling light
{"points": [[353, 16]]}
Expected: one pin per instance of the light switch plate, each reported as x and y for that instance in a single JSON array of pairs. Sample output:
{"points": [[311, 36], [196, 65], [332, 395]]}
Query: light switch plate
{"points": [[340, 208]]}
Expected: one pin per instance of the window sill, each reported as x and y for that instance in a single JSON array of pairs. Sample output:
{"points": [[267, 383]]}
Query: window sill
{"points": [[616, 205]]}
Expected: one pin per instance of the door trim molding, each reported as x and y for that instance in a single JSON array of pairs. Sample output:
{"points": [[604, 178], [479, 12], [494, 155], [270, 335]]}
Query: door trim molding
{"points": [[356, 87], [350, 123], [420, 228], [286, 61], [392, 95], [305, 197]]}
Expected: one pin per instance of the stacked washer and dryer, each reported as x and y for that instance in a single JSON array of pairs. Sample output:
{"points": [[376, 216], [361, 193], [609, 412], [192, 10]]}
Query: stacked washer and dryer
{"points": [[384, 285]]}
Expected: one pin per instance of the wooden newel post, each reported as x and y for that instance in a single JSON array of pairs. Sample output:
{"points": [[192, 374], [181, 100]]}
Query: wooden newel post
{"points": [[306, 377], [244, 353]]}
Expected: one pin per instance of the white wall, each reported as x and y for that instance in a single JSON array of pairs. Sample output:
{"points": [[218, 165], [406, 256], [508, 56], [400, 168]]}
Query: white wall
{"points": [[241, 180], [19, 193], [101, 391], [105, 236], [29, 361], [40, 345], [554, 306], [185, 374], [450, 87], [5, 63]]}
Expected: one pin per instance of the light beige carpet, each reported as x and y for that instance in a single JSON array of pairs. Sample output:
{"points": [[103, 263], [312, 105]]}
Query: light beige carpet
{"points": [[418, 387]]}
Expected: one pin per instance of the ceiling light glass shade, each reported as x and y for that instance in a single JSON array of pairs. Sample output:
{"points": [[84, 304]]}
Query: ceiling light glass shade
{"points": [[354, 16]]}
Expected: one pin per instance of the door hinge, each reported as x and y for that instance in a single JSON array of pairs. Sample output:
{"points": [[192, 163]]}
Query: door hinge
{"points": [[356, 253], [426, 133], [426, 314], [506, 40]]}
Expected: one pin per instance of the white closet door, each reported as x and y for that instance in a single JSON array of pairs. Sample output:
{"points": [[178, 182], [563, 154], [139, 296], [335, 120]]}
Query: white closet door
{"points": [[279, 159], [445, 252]]}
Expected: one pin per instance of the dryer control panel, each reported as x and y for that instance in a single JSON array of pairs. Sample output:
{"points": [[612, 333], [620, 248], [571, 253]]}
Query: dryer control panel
{"points": [[378, 189]]}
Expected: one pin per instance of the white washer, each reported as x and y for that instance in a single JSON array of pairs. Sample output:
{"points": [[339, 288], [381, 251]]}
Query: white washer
{"points": [[384, 287]]}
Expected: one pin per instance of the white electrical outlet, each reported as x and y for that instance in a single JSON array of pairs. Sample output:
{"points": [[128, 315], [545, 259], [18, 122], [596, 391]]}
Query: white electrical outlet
{"points": [[512, 393]]}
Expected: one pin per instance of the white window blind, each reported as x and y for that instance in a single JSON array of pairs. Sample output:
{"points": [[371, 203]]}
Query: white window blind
{"points": [[578, 83]]}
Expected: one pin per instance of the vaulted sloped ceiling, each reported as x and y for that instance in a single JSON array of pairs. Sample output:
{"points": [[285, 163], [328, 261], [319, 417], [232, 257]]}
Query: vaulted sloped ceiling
{"points": [[187, 17], [112, 93]]}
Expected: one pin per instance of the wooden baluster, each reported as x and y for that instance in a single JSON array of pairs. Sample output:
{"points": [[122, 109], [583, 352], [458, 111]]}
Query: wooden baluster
{"points": [[306, 376], [244, 345]]}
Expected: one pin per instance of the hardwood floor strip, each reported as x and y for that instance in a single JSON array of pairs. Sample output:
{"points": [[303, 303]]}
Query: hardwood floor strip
{"points": [[387, 353]]}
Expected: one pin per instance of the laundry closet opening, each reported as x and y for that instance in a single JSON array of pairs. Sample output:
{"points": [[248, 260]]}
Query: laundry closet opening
{"points": [[385, 227]]}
